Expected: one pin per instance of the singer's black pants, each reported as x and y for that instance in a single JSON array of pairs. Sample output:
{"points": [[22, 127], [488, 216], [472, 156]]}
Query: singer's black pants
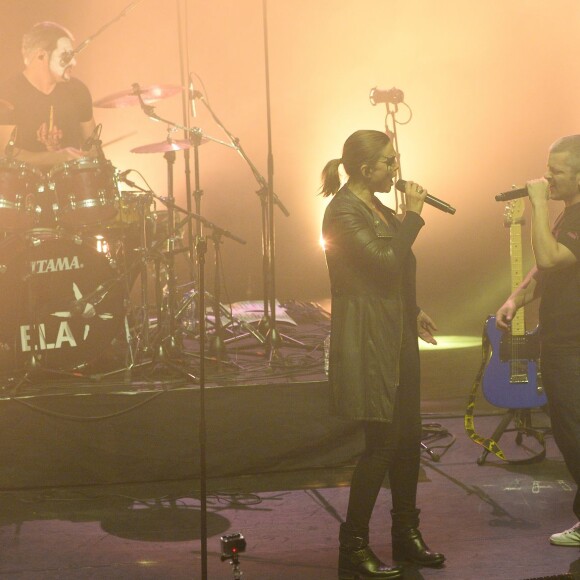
{"points": [[392, 448], [561, 379]]}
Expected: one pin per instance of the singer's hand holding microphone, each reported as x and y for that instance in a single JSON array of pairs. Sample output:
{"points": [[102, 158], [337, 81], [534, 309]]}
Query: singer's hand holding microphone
{"points": [[414, 195], [428, 199], [535, 189]]}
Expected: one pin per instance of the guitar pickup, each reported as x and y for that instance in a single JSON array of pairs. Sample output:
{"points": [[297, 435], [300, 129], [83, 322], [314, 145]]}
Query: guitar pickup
{"points": [[526, 347]]}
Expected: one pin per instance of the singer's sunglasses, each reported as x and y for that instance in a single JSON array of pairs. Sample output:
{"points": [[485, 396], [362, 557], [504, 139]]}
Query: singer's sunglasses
{"points": [[389, 161]]}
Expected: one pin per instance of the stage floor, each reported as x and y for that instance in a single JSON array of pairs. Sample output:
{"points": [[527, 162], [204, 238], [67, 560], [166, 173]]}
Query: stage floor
{"points": [[492, 522], [101, 472]]}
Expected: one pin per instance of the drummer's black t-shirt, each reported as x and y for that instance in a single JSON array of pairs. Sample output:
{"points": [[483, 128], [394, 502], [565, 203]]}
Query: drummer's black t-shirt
{"points": [[65, 108], [560, 305]]}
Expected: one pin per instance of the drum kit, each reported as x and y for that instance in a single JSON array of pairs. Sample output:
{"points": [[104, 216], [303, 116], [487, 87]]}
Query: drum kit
{"points": [[73, 247]]}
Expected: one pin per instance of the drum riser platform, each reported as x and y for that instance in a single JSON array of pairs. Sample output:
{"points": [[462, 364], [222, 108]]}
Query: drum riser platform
{"points": [[78, 439]]}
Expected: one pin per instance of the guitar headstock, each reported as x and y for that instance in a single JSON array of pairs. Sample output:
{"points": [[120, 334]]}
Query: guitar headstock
{"points": [[514, 212]]}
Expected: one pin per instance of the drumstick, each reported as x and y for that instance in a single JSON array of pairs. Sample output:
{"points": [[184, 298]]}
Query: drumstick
{"points": [[50, 119]]}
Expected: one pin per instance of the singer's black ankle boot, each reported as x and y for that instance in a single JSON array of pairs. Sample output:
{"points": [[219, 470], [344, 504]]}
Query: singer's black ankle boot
{"points": [[357, 561], [408, 544]]}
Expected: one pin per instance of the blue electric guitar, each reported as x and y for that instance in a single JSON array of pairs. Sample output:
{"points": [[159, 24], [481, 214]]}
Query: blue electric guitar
{"points": [[512, 378]]}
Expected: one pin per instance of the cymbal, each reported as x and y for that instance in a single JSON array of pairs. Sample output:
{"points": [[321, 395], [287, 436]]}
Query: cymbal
{"points": [[163, 146], [130, 98]]}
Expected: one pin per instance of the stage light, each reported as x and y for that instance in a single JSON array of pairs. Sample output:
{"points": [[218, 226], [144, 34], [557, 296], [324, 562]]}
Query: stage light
{"points": [[451, 342]]}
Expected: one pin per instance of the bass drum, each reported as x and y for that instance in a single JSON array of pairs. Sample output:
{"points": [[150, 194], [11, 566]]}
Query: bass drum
{"points": [[61, 302]]}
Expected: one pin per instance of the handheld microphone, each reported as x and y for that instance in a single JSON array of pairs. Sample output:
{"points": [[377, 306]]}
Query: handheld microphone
{"points": [[393, 95], [429, 199], [512, 194]]}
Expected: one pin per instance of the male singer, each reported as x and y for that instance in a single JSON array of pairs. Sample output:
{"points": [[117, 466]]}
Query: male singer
{"points": [[556, 279]]}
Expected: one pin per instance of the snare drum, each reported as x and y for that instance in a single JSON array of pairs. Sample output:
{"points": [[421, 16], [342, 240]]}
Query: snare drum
{"points": [[19, 186], [61, 301], [134, 208], [86, 192]]}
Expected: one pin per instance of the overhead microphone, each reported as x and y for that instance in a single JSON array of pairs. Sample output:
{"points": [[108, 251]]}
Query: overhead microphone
{"points": [[392, 95], [192, 96], [94, 137], [429, 199], [512, 194], [123, 177]]}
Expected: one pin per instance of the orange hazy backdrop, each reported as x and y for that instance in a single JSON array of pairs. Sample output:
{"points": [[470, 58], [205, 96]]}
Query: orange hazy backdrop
{"points": [[490, 86]]}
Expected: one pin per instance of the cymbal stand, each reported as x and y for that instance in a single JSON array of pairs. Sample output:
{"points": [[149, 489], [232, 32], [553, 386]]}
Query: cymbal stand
{"points": [[144, 318], [169, 318], [219, 310], [196, 136]]}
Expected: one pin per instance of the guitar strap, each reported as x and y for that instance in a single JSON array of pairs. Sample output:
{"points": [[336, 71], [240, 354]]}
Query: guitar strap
{"points": [[488, 443]]}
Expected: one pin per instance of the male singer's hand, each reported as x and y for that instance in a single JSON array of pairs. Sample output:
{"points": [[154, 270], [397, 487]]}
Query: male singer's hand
{"points": [[505, 315], [425, 328], [538, 191]]}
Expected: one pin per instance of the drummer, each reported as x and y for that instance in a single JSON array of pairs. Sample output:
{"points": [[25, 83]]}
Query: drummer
{"points": [[49, 116]]}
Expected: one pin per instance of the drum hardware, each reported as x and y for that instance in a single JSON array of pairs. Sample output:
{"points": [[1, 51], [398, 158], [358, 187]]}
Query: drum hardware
{"points": [[166, 340], [217, 344], [197, 137]]}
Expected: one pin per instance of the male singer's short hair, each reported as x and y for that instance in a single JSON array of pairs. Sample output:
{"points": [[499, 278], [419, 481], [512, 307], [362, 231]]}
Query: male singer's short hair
{"points": [[571, 143]]}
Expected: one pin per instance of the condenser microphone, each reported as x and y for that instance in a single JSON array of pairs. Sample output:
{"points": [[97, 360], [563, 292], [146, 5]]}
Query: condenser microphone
{"points": [[512, 194], [393, 95], [429, 199], [93, 138], [123, 177]]}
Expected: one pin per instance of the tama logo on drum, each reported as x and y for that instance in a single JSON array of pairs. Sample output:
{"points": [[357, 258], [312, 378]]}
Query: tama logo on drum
{"points": [[60, 264]]}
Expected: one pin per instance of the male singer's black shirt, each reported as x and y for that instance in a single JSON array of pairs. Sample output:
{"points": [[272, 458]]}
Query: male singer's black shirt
{"points": [[560, 304]]}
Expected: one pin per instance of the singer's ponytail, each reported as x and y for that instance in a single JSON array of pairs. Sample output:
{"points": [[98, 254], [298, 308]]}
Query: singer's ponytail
{"points": [[361, 147]]}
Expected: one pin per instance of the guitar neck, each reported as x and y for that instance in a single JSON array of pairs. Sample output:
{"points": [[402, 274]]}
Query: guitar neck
{"points": [[517, 275]]}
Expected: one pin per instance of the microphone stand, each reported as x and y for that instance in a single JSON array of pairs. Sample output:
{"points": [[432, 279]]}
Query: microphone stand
{"points": [[269, 262], [268, 199], [392, 98], [183, 39], [70, 55]]}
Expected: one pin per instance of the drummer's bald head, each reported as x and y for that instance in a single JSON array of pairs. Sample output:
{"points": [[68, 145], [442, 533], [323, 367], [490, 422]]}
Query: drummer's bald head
{"points": [[43, 36]]}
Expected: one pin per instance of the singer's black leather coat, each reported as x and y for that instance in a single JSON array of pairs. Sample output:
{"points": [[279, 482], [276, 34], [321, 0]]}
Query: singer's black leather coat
{"points": [[372, 279]]}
